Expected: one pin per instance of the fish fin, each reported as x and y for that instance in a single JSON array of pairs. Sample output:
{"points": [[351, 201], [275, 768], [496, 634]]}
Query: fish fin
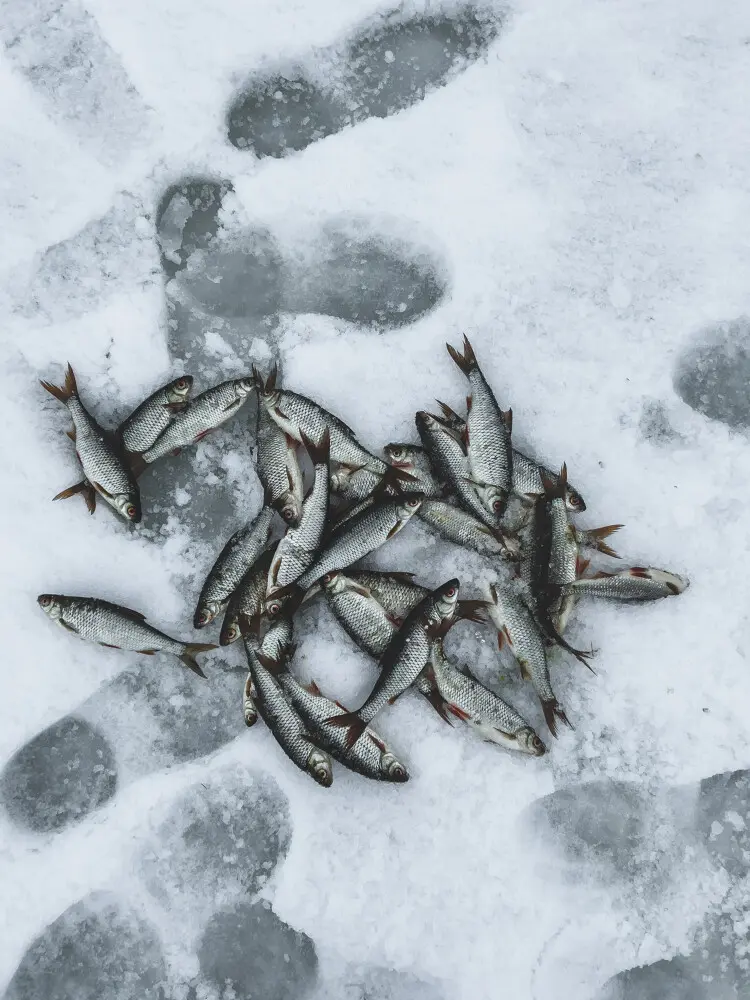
{"points": [[508, 420], [440, 705], [109, 645], [555, 488], [639, 571], [594, 538], [672, 588], [313, 688], [581, 565], [136, 462], [392, 478], [471, 610], [147, 652], [89, 497], [176, 407], [376, 740], [65, 392], [71, 434], [500, 639], [100, 489], [401, 576], [272, 378], [319, 452], [394, 530], [580, 654], [553, 712], [72, 490], [70, 628], [466, 361], [129, 613], [396, 620], [450, 414], [458, 712], [524, 670], [188, 655], [272, 665], [352, 722], [231, 405]]}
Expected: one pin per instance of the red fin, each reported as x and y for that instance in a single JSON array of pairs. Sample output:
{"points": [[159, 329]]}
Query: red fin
{"points": [[147, 652], [100, 489], [377, 741], [500, 640], [313, 688], [394, 530], [639, 571], [89, 496], [319, 453], [351, 721], [109, 645], [506, 633], [176, 407], [458, 712], [71, 434], [472, 610], [396, 620], [198, 437], [65, 392], [439, 704], [72, 491], [581, 565]]}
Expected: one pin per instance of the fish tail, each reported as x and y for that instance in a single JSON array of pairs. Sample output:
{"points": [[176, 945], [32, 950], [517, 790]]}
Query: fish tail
{"points": [[595, 538], [319, 452], [136, 462], [472, 611], [352, 722], [72, 490], [466, 361], [449, 413], [65, 391], [393, 479], [553, 712], [188, 655], [440, 705], [556, 488]]}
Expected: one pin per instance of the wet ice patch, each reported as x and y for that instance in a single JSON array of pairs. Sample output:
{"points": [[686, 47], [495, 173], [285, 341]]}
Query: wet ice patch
{"points": [[712, 375], [187, 219], [216, 844], [386, 984], [98, 949], [59, 776], [249, 950], [60, 49], [387, 66], [723, 819]]}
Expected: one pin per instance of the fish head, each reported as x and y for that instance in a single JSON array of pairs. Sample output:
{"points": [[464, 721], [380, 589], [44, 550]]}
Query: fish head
{"points": [[573, 499], [290, 509], [319, 766], [244, 386], [399, 456], [527, 741], [179, 390], [274, 605], [409, 504], [127, 505], [446, 598], [393, 769], [52, 605], [205, 613], [230, 630], [268, 394], [672, 583], [493, 498], [333, 582]]}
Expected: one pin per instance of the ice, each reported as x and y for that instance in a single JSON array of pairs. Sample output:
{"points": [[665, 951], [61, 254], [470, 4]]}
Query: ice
{"points": [[655, 425], [248, 949], [712, 374], [723, 819], [59, 776], [217, 843], [76, 73], [387, 66], [98, 949], [386, 984]]}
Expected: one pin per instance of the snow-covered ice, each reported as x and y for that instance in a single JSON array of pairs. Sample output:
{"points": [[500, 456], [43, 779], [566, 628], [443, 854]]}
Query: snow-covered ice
{"points": [[340, 187]]}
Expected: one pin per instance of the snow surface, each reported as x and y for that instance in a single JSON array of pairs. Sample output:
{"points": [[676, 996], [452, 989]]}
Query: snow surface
{"points": [[573, 195]]}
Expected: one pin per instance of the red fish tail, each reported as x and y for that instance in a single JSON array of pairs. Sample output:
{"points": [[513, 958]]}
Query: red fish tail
{"points": [[466, 361], [352, 722], [65, 391]]}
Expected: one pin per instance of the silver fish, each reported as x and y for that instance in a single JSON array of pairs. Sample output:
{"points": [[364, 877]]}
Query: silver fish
{"points": [[299, 546], [117, 627], [234, 560], [370, 757], [448, 458], [295, 413], [638, 583], [139, 431], [204, 414], [354, 484], [528, 481], [458, 526], [563, 559], [249, 697], [492, 719], [414, 460], [281, 718], [247, 600], [347, 543], [488, 435], [279, 470], [516, 625], [396, 592], [100, 455], [404, 658]]}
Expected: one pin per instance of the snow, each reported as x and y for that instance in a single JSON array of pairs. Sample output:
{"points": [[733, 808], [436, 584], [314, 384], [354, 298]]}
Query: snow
{"points": [[574, 200]]}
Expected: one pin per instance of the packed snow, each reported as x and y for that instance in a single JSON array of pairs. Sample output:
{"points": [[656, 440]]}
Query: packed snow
{"points": [[340, 188]]}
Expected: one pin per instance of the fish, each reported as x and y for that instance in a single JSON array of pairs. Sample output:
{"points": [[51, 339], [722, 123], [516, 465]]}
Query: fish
{"points": [[638, 583], [140, 430], [528, 482], [299, 546], [204, 414], [414, 460], [249, 696], [101, 457], [348, 542], [394, 591], [278, 714], [354, 484], [535, 566], [234, 560], [488, 435], [404, 658], [447, 454], [492, 719], [279, 470], [117, 627], [247, 600], [593, 538], [563, 559], [462, 528], [516, 626], [370, 757], [295, 413]]}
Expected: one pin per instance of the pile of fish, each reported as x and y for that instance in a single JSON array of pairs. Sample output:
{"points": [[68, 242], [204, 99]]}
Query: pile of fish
{"points": [[464, 480]]}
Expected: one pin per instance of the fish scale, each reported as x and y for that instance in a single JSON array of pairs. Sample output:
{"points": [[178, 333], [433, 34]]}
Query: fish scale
{"points": [[414, 460], [279, 470], [247, 600], [633, 584], [139, 431], [461, 528]]}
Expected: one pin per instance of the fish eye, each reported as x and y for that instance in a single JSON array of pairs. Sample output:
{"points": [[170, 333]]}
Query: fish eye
{"points": [[412, 503], [181, 383], [130, 510], [451, 591], [45, 600], [273, 608], [497, 506], [204, 616]]}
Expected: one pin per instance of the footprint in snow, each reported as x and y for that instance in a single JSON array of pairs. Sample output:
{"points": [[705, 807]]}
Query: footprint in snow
{"points": [[712, 373]]}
